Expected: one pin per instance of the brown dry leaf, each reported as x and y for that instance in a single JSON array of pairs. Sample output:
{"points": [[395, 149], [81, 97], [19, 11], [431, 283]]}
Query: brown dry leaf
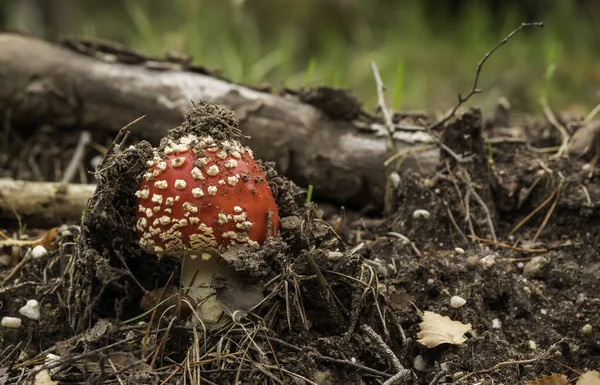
{"points": [[437, 329], [554, 379], [589, 378], [45, 240]]}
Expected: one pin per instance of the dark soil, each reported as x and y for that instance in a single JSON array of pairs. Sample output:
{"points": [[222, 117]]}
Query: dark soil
{"points": [[529, 293]]}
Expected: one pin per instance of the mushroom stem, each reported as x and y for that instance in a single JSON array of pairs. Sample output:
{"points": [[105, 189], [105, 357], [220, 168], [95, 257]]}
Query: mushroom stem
{"points": [[196, 277]]}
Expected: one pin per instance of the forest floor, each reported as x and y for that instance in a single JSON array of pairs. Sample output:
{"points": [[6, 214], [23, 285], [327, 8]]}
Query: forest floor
{"points": [[506, 245]]}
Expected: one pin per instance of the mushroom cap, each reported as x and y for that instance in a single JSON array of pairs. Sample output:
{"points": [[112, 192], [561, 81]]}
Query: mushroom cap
{"points": [[199, 195]]}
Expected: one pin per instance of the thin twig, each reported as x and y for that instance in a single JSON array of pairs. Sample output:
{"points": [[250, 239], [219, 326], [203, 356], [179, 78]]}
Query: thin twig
{"points": [[499, 365], [474, 90], [403, 375], [451, 216], [84, 139], [389, 124], [504, 245], [564, 147], [467, 180], [535, 211], [326, 359], [591, 115], [18, 267], [550, 211], [438, 377]]}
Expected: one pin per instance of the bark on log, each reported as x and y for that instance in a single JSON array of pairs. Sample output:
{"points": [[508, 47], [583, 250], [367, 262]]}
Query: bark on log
{"points": [[51, 84], [43, 203]]}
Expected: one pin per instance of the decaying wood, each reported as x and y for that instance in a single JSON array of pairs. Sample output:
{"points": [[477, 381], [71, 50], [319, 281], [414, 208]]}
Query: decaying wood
{"points": [[43, 203], [42, 83]]}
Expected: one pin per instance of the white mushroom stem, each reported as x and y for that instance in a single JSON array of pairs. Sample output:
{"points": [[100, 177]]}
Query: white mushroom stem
{"points": [[196, 276]]}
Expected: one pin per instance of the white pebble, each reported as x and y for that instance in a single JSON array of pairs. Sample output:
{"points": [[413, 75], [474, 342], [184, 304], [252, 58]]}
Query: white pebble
{"points": [[96, 161], [586, 329], [520, 265], [586, 167], [52, 357], [5, 260], [39, 252], [457, 301], [532, 345], [11, 322], [544, 311], [488, 261], [496, 324], [31, 310], [459, 250], [421, 213], [419, 364]]}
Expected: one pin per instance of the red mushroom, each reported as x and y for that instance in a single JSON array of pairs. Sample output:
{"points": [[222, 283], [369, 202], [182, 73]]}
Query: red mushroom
{"points": [[199, 197]]}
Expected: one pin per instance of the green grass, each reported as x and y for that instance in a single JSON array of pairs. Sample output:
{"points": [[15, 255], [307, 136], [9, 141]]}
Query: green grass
{"points": [[423, 60]]}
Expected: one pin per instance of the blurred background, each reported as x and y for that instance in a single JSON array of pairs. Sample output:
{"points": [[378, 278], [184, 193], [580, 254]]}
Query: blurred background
{"points": [[426, 50]]}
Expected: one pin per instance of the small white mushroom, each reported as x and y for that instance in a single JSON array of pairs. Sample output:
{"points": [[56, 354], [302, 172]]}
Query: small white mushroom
{"points": [[11, 322], [31, 310]]}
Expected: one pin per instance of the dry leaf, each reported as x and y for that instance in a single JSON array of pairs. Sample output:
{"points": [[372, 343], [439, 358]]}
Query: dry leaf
{"points": [[589, 378], [554, 379], [437, 329]]}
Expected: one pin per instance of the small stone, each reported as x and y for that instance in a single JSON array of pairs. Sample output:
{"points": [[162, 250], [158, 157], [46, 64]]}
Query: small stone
{"points": [[96, 161], [459, 250], [457, 301], [335, 255], [31, 310], [52, 357], [5, 260], [544, 311], [580, 299], [496, 324], [11, 322], [419, 363], [39, 252], [532, 345], [520, 265], [534, 267], [586, 167], [430, 281], [586, 329], [488, 261], [420, 213]]}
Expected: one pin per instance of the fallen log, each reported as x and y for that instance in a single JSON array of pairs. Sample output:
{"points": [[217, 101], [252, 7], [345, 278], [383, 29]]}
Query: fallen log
{"points": [[104, 90], [43, 203]]}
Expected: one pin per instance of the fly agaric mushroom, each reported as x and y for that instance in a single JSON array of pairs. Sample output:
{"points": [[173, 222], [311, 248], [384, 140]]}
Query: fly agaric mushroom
{"points": [[198, 197]]}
